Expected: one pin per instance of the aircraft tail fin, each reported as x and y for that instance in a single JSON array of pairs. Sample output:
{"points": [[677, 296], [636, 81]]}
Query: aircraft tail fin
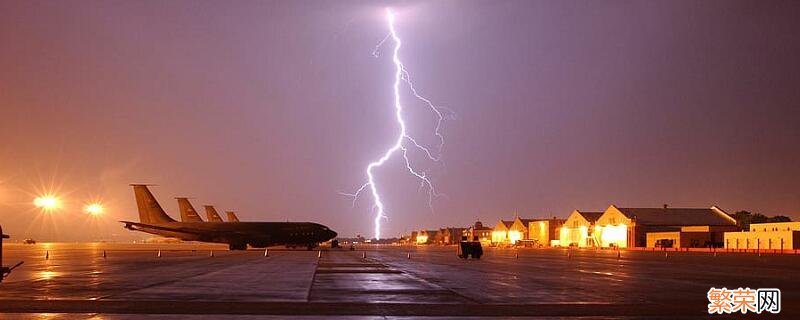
{"points": [[188, 214], [212, 214], [232, 216], [149, 209]]}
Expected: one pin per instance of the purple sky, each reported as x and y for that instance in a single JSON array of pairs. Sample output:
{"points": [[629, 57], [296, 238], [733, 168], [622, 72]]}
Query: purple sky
{"points": [[274, 108]]}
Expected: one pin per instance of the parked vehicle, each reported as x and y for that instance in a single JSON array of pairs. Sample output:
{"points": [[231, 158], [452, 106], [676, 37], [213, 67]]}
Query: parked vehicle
{"points": [[467, 249]]}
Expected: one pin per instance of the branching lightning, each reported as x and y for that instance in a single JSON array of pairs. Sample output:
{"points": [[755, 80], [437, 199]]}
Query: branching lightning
{"points": [[401, 75]]}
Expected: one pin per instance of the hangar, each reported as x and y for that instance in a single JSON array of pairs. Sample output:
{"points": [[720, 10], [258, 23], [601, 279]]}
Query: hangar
{"points": [[502, 232], [578, 229], [544, 232], [628, 227], [690, 237]]}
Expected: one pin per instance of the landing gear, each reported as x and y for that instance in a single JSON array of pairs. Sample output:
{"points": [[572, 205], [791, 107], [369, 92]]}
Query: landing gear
{"points": [[237, 246]]}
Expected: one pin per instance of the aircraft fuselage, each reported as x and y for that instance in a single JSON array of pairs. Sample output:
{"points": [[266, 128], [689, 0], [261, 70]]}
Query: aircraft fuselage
{"points": [[238, 234]]}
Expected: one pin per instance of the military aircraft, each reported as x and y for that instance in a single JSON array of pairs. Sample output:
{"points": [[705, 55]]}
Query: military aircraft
{"points": [[232, 216], [188, 214], [238, 235], [212, 214]]}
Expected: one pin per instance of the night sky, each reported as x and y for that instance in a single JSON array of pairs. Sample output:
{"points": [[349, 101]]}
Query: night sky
{"points": [[274, 108]]}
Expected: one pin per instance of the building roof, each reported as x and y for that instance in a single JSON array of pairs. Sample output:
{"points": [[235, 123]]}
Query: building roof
{"points": [[590, 216], [526, 222], [507, 223], [679, 216]]}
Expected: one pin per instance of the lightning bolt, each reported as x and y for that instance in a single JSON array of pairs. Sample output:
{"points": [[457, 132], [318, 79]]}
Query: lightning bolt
{"points": [[401, 75]]}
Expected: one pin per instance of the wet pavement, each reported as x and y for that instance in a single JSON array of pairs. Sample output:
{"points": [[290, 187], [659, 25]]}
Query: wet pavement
{"points": [[206, 281]]}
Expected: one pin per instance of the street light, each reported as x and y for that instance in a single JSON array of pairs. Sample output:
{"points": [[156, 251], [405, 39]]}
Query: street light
{"points": [[47, 202], [94, 209]]}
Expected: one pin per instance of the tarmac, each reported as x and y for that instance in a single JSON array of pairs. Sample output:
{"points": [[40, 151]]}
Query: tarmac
{"points": [[199, 281]]}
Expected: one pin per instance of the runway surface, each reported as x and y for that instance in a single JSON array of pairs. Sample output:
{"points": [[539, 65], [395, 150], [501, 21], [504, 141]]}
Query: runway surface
{"points": [[188, 281]]}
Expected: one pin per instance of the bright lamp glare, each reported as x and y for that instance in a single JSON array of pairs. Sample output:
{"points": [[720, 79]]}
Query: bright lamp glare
{"points": [[47, 202], [94, 209]]}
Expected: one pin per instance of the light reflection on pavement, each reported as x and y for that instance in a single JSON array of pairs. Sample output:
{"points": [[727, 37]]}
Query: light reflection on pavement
{"points": [[540, 282]]}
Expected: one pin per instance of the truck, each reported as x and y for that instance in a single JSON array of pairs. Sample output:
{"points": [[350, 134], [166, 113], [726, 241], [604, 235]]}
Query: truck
{"points": [[467, 249]]}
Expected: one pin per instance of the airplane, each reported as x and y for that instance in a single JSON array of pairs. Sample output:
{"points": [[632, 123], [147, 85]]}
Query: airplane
{"points": [[188, 214], [238, 235], [232, 216], [212, 214]]}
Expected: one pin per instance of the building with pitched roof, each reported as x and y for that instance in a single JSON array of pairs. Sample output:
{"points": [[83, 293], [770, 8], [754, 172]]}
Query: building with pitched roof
{"points": [[628, 227], [500, 232], [427, 236], [578, 229], [450, 235], [479, 232], [518, 230]]}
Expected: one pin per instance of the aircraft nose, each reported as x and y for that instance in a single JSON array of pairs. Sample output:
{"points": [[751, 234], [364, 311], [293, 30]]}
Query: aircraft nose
{"points": [[332, 234]]}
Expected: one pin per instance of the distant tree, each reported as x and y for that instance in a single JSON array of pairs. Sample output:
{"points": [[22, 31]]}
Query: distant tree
{"points": [[745, 218], [758, 218], [780, 219]]}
